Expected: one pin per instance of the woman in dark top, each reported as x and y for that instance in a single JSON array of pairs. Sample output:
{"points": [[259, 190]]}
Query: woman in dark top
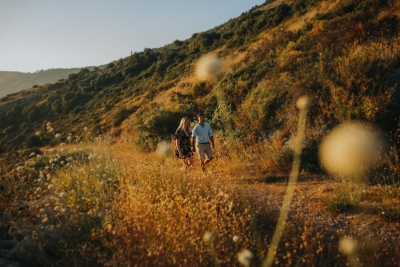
{"points": [[182, 138]]}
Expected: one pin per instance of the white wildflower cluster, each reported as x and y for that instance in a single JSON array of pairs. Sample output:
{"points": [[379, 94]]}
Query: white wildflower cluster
{"points": [[20, 168], [93, 156], [49, 127], [98, 138]]}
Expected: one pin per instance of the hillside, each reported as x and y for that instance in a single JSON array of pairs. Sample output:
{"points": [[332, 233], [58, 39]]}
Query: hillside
{"points": [[342, 53], [13, 82], [87, 181]]}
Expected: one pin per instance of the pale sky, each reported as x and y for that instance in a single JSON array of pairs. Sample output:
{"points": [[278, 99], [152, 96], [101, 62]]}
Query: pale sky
{"points": [[46, 34]]}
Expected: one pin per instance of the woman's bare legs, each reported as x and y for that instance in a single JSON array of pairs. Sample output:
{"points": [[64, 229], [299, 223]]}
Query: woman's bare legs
{"points": [[187, 162]]}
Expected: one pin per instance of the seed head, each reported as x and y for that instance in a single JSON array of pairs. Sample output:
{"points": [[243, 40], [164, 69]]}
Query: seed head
{"points": [[208, 237], [350, 149], [244, 257], [347, 245], [164, 149], [208, 67], [303, 103]]}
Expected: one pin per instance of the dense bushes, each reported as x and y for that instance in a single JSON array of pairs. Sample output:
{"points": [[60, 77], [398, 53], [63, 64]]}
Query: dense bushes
{"points": [[155, 125]]}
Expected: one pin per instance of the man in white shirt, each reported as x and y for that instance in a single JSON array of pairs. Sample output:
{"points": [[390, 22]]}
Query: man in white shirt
{"points": [[202, 136]]}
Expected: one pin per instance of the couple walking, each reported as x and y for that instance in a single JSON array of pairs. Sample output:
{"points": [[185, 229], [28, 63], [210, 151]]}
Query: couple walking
{"points": [[202, 140]]}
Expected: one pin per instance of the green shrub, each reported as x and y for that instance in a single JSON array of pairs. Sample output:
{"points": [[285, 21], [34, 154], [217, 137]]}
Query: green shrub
{"points": [[120, 115], [155, 125], [345, 199], [33, 140]]}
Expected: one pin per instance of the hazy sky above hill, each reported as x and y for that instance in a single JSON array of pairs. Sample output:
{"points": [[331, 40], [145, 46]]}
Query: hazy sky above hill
{"points": [[46, 34]]}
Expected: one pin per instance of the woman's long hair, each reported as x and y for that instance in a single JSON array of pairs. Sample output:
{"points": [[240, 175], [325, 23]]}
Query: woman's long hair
{"points": [[182, 127]]}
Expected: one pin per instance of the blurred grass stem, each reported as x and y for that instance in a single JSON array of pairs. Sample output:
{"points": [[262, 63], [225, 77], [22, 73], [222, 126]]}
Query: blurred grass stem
{"points": [[290, 189]]}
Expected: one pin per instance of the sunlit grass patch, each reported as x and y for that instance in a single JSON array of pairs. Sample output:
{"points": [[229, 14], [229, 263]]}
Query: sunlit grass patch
{"points": [[390, 209], [345, 199]]}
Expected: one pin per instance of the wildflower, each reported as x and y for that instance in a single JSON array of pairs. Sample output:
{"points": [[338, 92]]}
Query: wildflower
{"points": [[69, 138], [235, 238], [350, 149], [58, 135], [62, 162], [63, 194], [37, 132], [62, 149], [244, 257], [85, 128], [303, 102], [62, 144], [32, 154], [57, 208], [208, 237], [164, 149], [50, 187], [38, 189], [38, 156], [208, 67], [20, 168], [347, 245], [51, 161]]}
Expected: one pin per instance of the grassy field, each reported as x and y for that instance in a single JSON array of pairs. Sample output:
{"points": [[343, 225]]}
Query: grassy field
{"points": [[104, 203]]}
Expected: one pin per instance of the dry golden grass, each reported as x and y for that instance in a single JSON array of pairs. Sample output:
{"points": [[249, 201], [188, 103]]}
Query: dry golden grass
{"points": [[120, 207], [298, 22]]}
